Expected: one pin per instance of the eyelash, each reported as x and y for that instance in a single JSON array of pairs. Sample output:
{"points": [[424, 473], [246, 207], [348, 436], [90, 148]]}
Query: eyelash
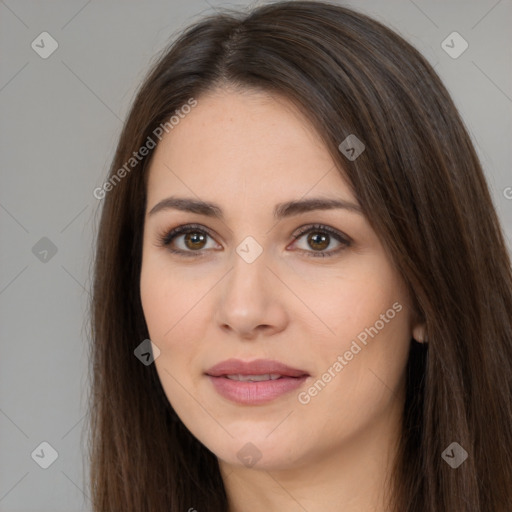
{"points": [[165, 239]]}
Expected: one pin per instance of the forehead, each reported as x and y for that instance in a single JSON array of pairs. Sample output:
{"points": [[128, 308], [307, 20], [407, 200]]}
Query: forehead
{"points": [[243, 143]]}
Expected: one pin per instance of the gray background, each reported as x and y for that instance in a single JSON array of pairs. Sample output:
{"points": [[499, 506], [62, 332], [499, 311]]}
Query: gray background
{"points": [[60, 119]]}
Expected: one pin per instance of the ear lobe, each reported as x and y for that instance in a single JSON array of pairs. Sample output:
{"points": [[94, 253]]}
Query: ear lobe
{"points": [[419, 333]]}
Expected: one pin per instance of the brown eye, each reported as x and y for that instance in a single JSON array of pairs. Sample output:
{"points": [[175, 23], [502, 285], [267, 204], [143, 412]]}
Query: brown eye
{"points": [[318, 241], [188, 240], [195, 240], [319, 238]]}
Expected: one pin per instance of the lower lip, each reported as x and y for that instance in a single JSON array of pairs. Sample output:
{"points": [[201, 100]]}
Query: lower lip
{"points": [[254, 393]]}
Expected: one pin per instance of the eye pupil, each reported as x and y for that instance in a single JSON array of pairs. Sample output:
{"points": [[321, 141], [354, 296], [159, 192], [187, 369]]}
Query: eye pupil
{"points": [[194, 240], [318, 241]]}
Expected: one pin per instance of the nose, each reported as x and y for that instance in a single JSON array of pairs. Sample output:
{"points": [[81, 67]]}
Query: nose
{"points": [[251, 301]]}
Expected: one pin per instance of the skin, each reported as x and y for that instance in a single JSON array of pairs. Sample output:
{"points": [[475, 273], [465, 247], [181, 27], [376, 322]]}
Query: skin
{"points": [[247, 151]]}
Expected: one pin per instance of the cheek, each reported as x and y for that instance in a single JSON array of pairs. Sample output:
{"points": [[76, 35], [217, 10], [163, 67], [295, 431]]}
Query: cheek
{"points": [[174, 326], [169, 313], [353, 301], [157, 302], [368, 311], [166, 301], [357, 384]]}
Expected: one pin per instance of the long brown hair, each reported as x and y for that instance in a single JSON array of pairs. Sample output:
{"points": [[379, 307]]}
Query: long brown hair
{"points": [[421, 187]]}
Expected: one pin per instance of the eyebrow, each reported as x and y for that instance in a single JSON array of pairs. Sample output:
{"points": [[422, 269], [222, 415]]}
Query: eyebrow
{"points": [[281, 210]]}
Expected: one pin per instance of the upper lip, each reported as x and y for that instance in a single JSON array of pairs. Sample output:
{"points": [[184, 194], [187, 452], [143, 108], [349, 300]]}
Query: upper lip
{"points": [[256, 367]]}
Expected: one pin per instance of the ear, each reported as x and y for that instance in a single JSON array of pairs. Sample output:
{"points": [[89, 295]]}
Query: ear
{"points": [[419, 333]]}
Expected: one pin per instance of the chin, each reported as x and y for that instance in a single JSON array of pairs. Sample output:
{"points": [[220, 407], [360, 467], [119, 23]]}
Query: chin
{"points": [[257, 451]]}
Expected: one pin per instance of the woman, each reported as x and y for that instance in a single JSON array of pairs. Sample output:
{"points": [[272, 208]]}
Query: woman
{"points": [[296, 218]]}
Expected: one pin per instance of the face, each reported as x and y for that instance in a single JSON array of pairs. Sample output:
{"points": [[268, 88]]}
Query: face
{"points": [[299, 298]]}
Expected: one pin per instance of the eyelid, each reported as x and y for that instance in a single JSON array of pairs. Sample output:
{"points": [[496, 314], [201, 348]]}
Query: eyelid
{"points": [[344, 240], [167, 236], [321, 227]]}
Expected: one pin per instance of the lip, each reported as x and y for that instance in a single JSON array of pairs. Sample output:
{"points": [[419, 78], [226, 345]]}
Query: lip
{"points": [[256, 367], [254, 393]]}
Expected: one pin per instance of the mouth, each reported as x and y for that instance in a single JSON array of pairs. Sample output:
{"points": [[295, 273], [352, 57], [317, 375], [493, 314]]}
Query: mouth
{"points": [[253, 378], [255, 382]]}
